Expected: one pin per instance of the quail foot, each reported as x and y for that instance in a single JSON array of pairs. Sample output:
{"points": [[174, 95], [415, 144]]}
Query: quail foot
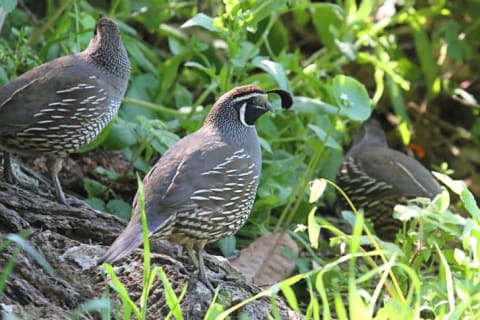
{"points": [[57, 107], [203, 188], [376, 178]]}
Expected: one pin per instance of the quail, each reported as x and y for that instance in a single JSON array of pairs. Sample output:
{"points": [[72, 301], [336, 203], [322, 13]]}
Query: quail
{"points": [[61, 105], [203, 187], [376, 178]]}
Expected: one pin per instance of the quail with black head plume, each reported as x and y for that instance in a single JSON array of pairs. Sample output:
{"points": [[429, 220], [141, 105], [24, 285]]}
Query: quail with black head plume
{"points": [[204, 186], [59, 106], [376, 178]]}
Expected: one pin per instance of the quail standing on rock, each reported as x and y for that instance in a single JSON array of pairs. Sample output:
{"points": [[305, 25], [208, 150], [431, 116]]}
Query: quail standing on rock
{"points": [[204, 186], [376, 178], [59, 106]]}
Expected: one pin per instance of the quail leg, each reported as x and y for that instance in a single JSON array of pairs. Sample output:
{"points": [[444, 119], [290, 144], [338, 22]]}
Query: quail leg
{"points": [[54, 166], [202, 275], [7, 168], [192, 255]]}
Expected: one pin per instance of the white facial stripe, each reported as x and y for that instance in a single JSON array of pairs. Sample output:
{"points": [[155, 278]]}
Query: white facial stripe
{"points": [[242, 111], [249, 96]]}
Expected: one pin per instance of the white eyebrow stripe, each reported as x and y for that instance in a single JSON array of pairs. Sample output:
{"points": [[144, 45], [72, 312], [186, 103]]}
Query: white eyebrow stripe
{"points": [[249, 96]]}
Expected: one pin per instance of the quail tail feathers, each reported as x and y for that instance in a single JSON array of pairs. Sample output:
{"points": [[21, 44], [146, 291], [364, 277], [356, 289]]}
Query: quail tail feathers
{"points": [[131, 238]]}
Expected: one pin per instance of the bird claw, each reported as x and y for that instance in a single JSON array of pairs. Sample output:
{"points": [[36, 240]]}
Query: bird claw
{"points": [[211, 282]]}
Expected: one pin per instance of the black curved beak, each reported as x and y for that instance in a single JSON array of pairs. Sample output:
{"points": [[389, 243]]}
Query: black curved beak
{"points": [[268, 107]]}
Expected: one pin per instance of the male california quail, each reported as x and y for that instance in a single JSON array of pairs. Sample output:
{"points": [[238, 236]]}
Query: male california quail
{"points": [[203, 188], [59, 106], [377, 178]]}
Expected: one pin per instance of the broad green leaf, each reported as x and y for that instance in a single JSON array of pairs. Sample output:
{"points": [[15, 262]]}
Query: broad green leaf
{"points": [[201, 20], [121, 135], [352, 98], [119, 208], [96, 203], [328, 20], [274, 69], [8, 5], [313, 106], [93, 187], [228, 245]]}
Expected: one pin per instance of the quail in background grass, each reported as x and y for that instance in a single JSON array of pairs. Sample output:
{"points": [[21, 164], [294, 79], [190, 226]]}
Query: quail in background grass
{"points": [[59, 106], [376, 178], [204, 186]]}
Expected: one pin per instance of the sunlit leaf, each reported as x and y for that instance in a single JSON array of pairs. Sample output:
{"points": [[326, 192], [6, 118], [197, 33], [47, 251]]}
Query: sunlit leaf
{"points": [[352, 98], [201, 20]]}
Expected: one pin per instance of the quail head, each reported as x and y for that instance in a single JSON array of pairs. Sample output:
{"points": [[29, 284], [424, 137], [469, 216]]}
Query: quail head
{"points": [[59, 106], [376, 178], [203, 188]]}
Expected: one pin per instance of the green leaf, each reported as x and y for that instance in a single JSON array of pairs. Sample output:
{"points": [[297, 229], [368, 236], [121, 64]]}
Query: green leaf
{"points": [[352, 98], [228, 245], [328, 20], [322, 135], [136, 52], [358, 309], [313, 228], [121, 135], [201, 20], [127, 303], [313, 106], [265, 145], [8, 5], [459, 188], [215, 309], [172, 299], [347, 49], [93, 187], [317, 187], [274, 69], [111, 175], [425, 52], [119, 208], [96, 203], [289, 294], [90, 306]]}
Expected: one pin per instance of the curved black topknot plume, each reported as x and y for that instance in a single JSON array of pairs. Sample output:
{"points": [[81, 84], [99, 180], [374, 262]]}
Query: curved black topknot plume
{"points": [[285, 96]]}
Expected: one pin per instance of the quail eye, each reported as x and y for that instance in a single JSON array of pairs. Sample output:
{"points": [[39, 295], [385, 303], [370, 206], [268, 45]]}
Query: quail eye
{"points": [[260, 100]]}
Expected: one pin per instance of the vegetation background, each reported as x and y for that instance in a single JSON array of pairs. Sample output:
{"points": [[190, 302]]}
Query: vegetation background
{"points": [[412, 63]]}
